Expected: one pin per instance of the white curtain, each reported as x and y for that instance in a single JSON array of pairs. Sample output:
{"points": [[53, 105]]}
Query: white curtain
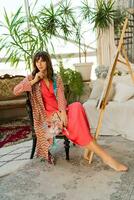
{"points": [[106, 49]]}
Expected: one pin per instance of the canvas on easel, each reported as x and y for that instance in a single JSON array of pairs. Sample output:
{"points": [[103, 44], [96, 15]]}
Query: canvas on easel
{"points": [[108, 82]]}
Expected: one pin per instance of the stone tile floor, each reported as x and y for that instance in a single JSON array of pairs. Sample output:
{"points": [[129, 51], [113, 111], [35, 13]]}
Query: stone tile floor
{"points": [[14, 156], [25, 179]]}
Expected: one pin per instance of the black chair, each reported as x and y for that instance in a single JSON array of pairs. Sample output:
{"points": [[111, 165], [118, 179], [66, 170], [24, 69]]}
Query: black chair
{"points": [[60, 136]]}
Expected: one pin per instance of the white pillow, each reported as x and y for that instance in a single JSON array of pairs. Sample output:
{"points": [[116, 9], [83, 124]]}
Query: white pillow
{"points": [[98, 86], [126, 79], [123, 92], [97, 89]]}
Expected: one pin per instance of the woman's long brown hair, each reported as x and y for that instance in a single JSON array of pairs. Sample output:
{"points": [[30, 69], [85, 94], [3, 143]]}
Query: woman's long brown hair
{"points": [[45, 57]]}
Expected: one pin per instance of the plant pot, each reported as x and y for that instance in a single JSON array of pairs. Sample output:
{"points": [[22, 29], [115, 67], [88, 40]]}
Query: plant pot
{"points": [[84, 69]]}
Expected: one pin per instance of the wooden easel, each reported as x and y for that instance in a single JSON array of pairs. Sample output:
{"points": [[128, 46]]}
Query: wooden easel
{"points": [[103, 100]]}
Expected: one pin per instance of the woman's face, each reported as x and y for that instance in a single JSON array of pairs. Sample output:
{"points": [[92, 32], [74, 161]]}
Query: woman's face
{"points": [[41, 65]]}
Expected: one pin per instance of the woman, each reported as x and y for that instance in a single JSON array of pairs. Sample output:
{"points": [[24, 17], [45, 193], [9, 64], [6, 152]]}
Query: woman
{"points": [[51, 113]]}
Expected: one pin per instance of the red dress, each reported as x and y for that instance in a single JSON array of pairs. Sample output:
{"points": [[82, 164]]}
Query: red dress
{"points": [[78, 126]]}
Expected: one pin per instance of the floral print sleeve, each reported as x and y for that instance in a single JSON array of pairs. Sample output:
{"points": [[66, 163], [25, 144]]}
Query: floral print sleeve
{"points": [[23, 86]]}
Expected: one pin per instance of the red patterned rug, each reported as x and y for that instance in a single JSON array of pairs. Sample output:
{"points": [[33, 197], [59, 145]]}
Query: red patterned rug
{"points": [[11, 134]]}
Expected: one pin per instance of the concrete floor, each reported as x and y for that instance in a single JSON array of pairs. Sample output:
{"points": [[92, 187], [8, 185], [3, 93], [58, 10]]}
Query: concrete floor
{"points": [[24, 179], [14, 156]]}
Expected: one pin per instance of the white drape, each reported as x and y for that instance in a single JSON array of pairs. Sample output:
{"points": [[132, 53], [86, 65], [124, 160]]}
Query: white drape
{"points": [[106, 49]]}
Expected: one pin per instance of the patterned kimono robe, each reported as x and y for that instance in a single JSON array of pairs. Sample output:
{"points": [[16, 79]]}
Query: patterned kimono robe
{"points": [[39, 114]]}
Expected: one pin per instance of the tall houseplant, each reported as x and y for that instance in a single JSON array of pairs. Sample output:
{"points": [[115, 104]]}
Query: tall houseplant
{"points": [[58, 21], [103, 18], [21, 42]]}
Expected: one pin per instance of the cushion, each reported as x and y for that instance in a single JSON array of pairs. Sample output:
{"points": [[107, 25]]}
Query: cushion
{"points": [[123, 92], [123, 79], [98, 86], [6, 88]]}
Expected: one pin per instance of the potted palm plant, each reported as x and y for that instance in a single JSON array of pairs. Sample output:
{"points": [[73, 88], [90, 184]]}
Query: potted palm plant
{"points": [[21, 42], [103, 17]]}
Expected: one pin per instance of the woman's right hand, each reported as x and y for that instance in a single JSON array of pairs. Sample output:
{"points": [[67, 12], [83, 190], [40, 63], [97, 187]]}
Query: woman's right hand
{"points": [[63, 117], [37, 77]]}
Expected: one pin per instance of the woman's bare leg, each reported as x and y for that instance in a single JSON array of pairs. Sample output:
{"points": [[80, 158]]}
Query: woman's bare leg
{"points": [[107, 159], [86, 154]]}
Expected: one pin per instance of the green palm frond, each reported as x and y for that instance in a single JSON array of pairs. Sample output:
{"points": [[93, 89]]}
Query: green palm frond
{"points": [[104, 14], [119, 20], [49, 18], [86, 11]]}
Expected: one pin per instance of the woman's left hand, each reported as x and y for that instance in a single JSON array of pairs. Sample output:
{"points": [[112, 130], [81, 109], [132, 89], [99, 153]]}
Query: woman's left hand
{"points": [[63, 117]]}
